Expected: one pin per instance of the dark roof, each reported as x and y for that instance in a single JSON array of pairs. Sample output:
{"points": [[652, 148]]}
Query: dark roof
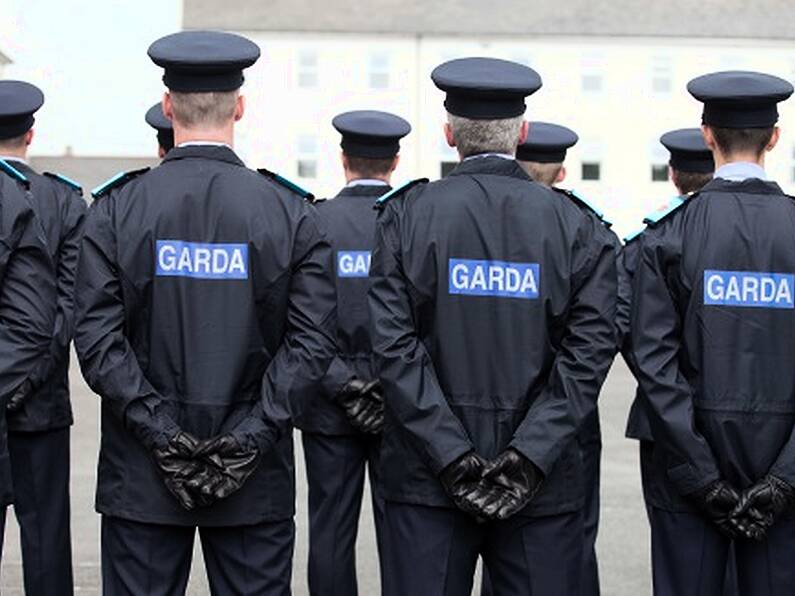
{"points": [[763, 19], [89, 172]]}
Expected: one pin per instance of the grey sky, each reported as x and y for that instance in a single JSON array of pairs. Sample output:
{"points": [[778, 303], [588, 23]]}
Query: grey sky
{"points": [[89, 58]]}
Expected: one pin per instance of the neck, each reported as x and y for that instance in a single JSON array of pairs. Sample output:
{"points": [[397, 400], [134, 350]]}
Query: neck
{"points": [[352, 176], [722, 160], [225, 134], [19, 153]]}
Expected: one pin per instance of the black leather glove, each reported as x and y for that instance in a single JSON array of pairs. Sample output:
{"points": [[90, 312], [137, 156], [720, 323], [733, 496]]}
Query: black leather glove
{"points": [[226, 467], [178, 467], [761, 505], [513, 481], [363, 404], [462, 481], [717, 501], [20, 396]]}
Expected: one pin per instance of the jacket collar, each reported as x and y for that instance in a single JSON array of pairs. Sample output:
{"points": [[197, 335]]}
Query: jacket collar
{"points": [[493, 165], [364, 191], [753, 186], [214, 152]]}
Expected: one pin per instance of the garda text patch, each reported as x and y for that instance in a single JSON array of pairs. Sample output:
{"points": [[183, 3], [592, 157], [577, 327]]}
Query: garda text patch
{"points": [[494, 278], [749, 288], [353, 263], [202, 260]]}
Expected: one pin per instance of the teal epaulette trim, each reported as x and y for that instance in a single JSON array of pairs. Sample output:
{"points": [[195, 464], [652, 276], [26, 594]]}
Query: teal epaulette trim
{"points": [[384, 199], [634, 235], [14, 173], [116, 181], [282, 181], [582, 202], [66, 180], [657, 216]]}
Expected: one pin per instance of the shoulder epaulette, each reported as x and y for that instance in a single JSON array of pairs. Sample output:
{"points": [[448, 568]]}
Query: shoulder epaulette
{"points": [[68, 181], [115, 182], [14, 173], [663, 212], [634, 235], [318, 201], [584, 203], [282, 181], [381, 201]]}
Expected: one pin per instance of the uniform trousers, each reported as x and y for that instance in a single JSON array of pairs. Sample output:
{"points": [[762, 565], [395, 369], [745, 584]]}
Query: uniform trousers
{"points": [[141, 559], [40, 472], [335, 467], [433, 551]]}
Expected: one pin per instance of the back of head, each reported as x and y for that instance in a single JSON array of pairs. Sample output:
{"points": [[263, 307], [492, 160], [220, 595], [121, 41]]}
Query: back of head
{"points": [[543, 173], [474, 137], [214, 109]]}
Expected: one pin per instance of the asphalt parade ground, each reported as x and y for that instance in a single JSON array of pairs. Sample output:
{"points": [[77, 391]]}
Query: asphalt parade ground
{"points": [[623, 544]]}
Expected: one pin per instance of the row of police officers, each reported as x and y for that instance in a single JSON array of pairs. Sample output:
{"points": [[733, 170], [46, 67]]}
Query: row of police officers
{"points": [[447, 338]]}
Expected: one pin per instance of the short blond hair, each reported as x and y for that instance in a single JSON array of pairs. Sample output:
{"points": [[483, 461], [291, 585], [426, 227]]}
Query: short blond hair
{"points": [[215, 108], [543, 173]]}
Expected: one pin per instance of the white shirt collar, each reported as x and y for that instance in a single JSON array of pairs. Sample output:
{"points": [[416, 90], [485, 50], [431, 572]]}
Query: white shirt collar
{"points": [[366, 182], [200, 143], [500, 155], [740, 170], [13, 158]]}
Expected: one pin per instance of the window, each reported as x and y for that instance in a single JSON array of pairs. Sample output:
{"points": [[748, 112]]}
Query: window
{"points": [[447, 167], [378, 74], [591, 170], [659, 173], [307, 70], [593, 74], [661, 75], [306, 166]]}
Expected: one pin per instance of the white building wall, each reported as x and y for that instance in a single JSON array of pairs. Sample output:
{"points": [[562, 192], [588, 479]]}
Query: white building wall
{"points": [[620, 95]]}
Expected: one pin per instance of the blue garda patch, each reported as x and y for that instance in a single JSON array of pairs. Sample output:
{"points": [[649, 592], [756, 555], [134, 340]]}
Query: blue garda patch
{"points": [[353, 263], [494, 278], [201, 260], [749, 289]]}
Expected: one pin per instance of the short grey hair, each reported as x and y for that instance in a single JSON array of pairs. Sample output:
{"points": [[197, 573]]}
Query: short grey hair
{"points": [[215, 108], [485, 136]]}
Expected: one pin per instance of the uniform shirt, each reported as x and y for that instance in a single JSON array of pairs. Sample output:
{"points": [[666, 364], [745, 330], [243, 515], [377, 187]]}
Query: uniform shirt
{"points": [[712, 330], [27, 304], [493, 306], [740, 170], [350, 224], [203, 288], [61, 210]]}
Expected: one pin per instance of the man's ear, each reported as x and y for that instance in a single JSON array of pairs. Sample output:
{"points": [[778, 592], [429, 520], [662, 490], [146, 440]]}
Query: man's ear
{"points": [[525, 130], [395, 163], [709, 138], [240, 107], [448, 134], [161, 152], [774, 138], [561, 175], [344, 160], [168, 110], [29, 137]]}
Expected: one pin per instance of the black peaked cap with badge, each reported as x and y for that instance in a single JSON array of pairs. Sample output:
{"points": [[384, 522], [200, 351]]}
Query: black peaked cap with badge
{"points": [[740, 99], [485, 88], [203, 61], [371, 134], [689, 152], [546, 143], [157, 120], [18, 102]]}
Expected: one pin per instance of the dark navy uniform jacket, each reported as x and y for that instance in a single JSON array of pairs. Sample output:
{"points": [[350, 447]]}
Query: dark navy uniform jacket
{"points": [[349, 220], [493, 309], [61, 209], [204, 286], [712, 337], [27, 303]]}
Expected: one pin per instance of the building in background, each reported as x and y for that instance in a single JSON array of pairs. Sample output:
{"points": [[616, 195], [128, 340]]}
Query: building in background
{"points": [[613, 70]]}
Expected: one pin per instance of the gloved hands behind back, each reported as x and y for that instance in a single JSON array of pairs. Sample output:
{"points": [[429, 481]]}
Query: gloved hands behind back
{"points": [[20, 396], [761, 505], [363, 403], [717, 502]]}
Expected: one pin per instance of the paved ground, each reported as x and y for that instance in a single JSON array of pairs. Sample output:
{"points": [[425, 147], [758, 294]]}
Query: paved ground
{"points": [[623, 541]]}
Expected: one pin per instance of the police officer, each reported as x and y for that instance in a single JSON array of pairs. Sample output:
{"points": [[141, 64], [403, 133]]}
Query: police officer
{"points": [[542, 156], [205, 315], [40, 412], [27, 303], [165, 132], [341, 429], [492, 304], [712, 341]]}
